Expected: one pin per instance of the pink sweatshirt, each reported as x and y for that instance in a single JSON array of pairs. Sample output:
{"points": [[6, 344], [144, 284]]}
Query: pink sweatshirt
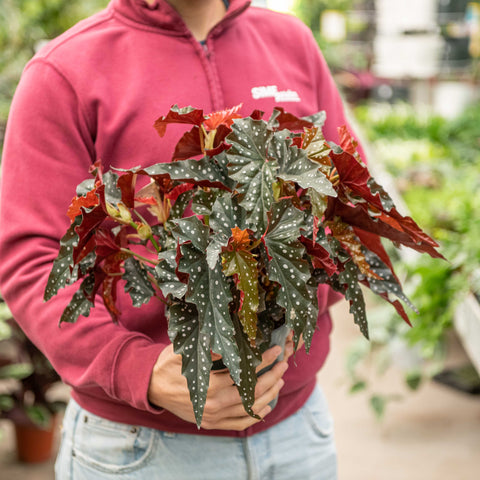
{"points": [[95, 92]]}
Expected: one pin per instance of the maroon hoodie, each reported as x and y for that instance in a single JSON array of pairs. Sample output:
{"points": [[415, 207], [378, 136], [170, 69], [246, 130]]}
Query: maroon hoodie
{"points": [[95, 92]]}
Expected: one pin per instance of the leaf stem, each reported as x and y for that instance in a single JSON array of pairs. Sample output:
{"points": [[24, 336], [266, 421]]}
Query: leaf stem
{"points": [[139, 257]]}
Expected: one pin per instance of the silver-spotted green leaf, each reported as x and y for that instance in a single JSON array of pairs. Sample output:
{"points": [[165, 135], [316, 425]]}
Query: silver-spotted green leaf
{"points": [[166, 276], [205, 172], [192, 230], [318, 119], [214, 249], [84, 187], [194, 347], [203, 201], [249, 167], [387, 284], [319, 202], [209, 290], [80, 303], [385, 198], [180, 205], [113, 194], [227, 214], [295, 166], [353, 293], [318, 150], [137, 284], [60, 274], [287, 266]]}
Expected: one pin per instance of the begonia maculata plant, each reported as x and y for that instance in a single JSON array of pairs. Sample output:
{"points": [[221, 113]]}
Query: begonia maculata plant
{"points": [[235, 235]]}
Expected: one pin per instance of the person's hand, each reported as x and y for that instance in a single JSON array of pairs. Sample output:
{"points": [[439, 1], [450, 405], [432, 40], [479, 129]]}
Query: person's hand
{"points": [[223, 409]]}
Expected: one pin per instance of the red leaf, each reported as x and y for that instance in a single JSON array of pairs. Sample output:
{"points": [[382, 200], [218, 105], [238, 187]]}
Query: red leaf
{"points": [[189, 116], [89, 246], [297, 142], [257, 115], [97, 171], [112, 267], [408, 225], [107, 244], [358, 217], [354, 176], [189, 145], [223, 117], [90, 200], [320, 256], [86, 229], [109, 295], [347, 142], [175, 192], [126, 184], [290, 121]]}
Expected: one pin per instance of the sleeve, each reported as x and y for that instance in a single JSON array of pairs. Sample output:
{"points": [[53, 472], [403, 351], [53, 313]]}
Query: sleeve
{"points": [[47, 150]]}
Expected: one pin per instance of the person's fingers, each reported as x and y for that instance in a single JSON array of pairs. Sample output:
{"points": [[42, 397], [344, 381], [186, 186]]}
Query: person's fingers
{"points": [[235, 417], [269, 356], [238, 423], [269, 378]]}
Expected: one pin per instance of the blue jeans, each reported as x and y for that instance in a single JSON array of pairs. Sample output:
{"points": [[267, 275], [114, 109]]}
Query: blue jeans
{"points": [[300, 447]]}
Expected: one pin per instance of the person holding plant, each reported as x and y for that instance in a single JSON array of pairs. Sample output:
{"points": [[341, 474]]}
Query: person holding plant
{"points": [[93, 93]]}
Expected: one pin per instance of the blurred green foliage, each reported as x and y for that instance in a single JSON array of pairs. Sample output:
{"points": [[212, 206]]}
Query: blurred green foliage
{"points": [[340, 55], [24, 24], [435, 164], [310, 11]]}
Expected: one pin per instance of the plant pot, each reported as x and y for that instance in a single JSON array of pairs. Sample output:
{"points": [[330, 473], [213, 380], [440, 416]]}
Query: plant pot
{"points": [[34, 443]]}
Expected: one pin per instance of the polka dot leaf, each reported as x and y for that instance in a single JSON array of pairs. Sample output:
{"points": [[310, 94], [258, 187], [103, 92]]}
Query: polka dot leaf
{"points": [[81, 302], [204, 172], [209, 291], [60, 275], [295, 166], [353, 293], [194, 347], [249, 167], [166, 276], [227, 214], [288, 267], [138, 285]]}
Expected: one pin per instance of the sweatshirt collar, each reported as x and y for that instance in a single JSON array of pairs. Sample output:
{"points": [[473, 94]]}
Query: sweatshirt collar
{"points": [[162, 15]]}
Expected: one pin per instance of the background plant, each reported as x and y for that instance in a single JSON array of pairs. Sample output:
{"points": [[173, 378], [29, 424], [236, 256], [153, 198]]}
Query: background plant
{"points": [[24, 25], [435, 164]]}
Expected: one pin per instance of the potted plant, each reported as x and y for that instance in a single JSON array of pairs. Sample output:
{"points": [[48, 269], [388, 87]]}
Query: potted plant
{"points": [[26, 376], [235, 235]]}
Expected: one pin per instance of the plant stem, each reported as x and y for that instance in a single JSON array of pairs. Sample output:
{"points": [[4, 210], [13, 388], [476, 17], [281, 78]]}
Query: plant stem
{"points": [[139, 257]]}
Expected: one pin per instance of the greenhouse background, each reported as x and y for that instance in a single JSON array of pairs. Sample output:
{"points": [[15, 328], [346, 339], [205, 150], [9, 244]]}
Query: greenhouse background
{"points": [[406, 404]]}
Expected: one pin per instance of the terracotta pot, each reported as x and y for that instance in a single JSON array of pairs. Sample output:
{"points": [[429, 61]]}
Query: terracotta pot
{"points": [[35, 444]]}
